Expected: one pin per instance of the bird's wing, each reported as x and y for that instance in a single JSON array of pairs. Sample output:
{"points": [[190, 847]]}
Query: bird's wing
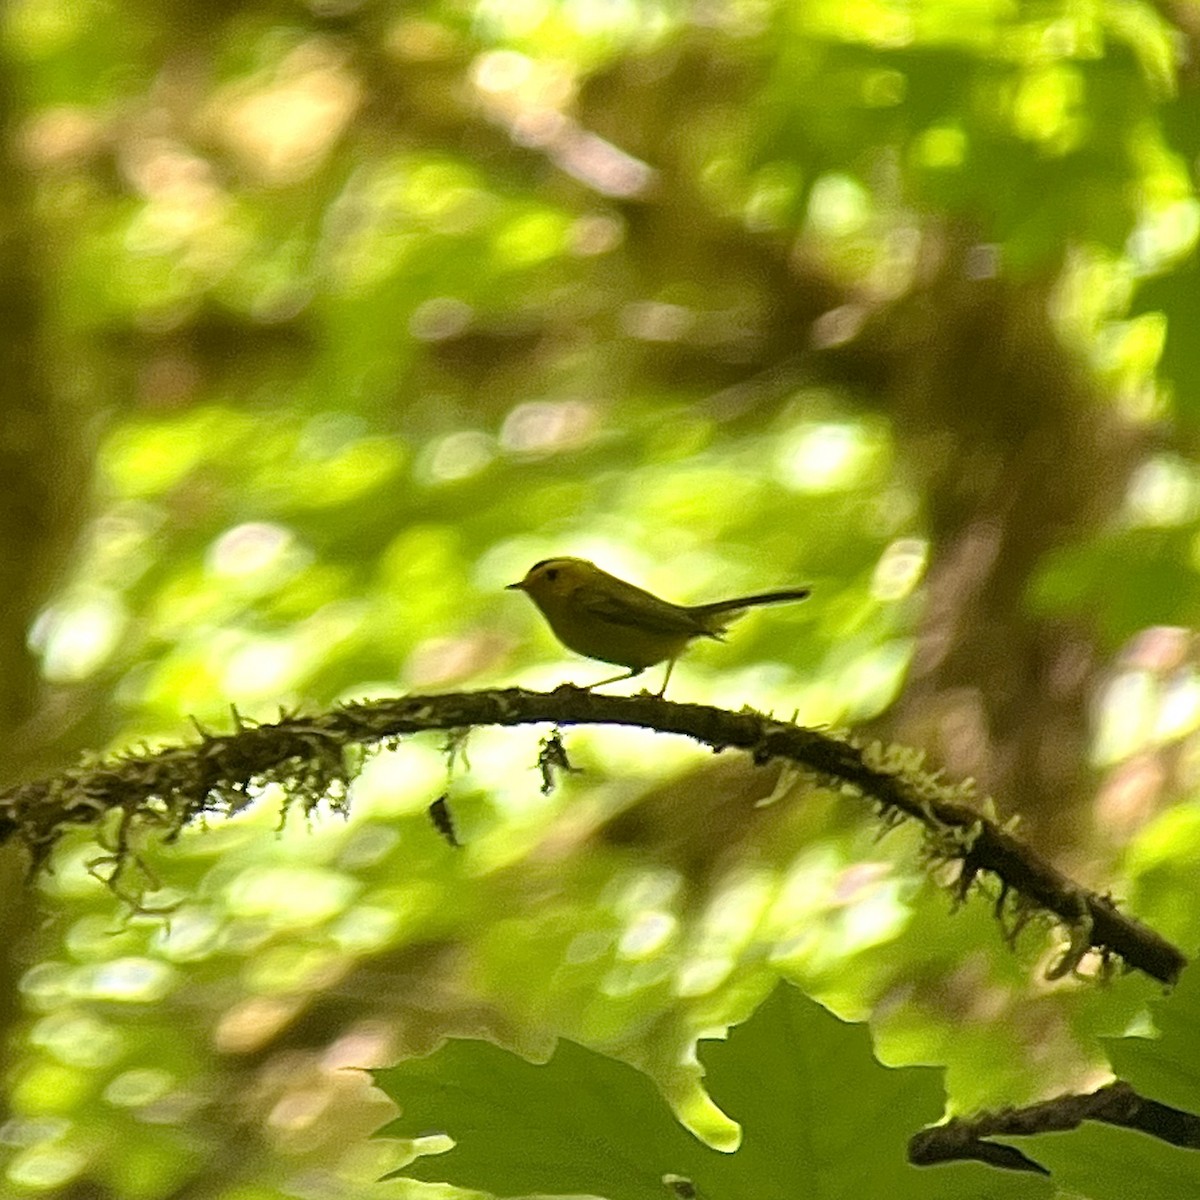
{"points": [[630, 606]]}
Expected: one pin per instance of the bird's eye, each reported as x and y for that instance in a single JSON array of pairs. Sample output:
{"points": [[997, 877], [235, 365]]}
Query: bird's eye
{"points": [[552, 573]]}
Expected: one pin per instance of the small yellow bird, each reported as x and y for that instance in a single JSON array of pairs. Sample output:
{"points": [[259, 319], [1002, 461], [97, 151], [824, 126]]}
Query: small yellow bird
{"points": [[600, 616]]}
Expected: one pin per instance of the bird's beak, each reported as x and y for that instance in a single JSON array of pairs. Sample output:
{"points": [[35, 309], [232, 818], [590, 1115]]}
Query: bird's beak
{"points": [[519, 586]]}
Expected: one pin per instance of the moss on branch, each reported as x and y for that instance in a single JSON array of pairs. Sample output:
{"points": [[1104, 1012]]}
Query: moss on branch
{"points": [[314, 758]]}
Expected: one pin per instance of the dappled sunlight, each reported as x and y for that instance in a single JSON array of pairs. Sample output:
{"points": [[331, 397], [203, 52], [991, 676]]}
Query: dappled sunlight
{"points": [[257, 548], [442, 661], [76, 636], [289, 897], [440, 318], [873, 680], [399, 782], [1048, 108], [595, 233], [139, 1087], [366, 929], [190, 935], [825, 457], [1179, 711], [458, 456], [626, 979], [838, 206], [839, 910], [544, 427], [282, 125], [256, 668], [1164, 490], [62, 136], [78, 1038], [254, 1022], [531, 98], [185, 235], [1130, 795], [133, 980], [1154, 699], [45, 1166], [1171, 229], [900, 568], [1146, 730], [731, 918], [344, 317]]}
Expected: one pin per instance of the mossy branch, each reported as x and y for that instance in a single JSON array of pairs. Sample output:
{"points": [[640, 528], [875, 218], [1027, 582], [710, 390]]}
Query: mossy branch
{"points": [[1117, 1104], [315, 757]]}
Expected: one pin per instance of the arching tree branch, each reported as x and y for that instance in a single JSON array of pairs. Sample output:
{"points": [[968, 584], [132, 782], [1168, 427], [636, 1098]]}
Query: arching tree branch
{"points": [[314, 758]]}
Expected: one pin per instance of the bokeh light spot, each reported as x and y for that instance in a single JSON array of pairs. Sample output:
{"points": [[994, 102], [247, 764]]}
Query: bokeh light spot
{"points": [[143, 1085], [76, 636], [900, 568], [827, 456], [290, 897], [129, 980]]}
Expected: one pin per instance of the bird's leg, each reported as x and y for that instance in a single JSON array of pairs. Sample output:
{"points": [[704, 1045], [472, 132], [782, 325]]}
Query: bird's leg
{"points": [[630, 674], [666, 678]]}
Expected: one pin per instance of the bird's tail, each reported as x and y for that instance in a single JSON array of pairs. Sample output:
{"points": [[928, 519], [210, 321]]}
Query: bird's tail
{"points": [[739, 603]]}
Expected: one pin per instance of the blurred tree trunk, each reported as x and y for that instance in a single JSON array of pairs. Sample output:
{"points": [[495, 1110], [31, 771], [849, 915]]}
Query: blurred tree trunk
{"points": [[41, 504], [1016, 454], [41, 459]]}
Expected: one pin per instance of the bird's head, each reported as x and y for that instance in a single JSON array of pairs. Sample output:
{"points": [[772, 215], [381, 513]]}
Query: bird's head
{"points": [[553, 578]]}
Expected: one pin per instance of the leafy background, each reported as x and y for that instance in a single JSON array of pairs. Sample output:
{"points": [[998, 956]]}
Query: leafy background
{"points": [[323, 321]]}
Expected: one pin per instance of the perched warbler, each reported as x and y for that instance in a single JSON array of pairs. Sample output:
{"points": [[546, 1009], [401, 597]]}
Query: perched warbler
{"points": [[600, 616]]}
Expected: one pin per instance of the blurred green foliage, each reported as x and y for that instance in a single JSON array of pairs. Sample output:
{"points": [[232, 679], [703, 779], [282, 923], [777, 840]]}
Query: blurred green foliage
{"points": [[357, 308]]}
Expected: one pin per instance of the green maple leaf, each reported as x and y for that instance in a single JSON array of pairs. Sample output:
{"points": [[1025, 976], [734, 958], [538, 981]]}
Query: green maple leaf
{"points": [[1167, 1067], [1104, 1163], [820, 1118]]}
